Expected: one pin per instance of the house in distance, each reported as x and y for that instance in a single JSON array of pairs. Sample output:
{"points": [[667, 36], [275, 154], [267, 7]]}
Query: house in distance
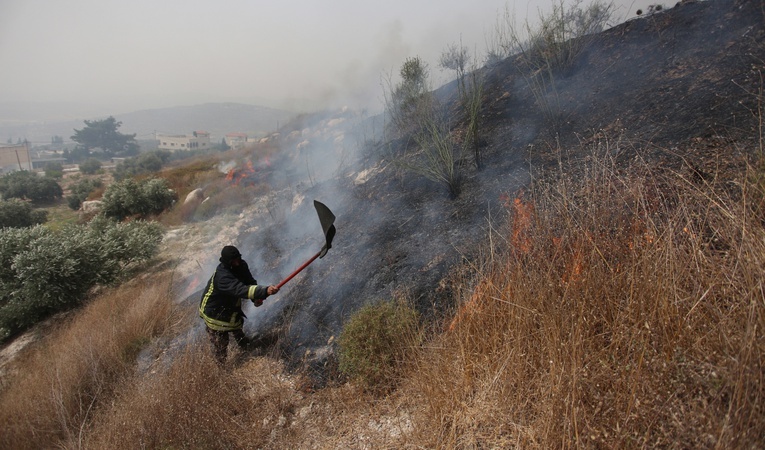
{"points": [[194, 141]]}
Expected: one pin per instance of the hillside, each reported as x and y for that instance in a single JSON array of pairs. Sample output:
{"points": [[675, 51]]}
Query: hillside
{"points": [[596, 283], [674, 89]]}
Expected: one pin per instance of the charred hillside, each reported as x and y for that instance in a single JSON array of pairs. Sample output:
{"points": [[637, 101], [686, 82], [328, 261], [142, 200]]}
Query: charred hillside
{"points": [[678, 88]]}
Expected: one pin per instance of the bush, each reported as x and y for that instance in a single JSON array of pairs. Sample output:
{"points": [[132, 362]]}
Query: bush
{"points": [[27, 185], [54, 170], [149, 162], [90, 166], [81, 191], [15, 213], [130, 198], [375, 344], [43, 272]]}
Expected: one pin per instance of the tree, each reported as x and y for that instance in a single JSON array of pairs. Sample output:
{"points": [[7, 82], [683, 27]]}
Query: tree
{"points": [[103, 135], [57, 140], [456, 58], [16, 213], [470, 93], [27, 185], [70, 261], [409, 98], [130, 198]]}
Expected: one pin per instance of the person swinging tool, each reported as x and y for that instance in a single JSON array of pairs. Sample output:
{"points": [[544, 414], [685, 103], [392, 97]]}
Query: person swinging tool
{"points": [[221, 303]]}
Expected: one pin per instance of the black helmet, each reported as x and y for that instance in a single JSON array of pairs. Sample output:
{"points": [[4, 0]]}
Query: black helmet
{"points": [[228, 254]]}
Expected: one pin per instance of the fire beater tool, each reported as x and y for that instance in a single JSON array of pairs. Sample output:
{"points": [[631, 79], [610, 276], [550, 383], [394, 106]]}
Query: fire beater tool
{"points": [[327, 220]]}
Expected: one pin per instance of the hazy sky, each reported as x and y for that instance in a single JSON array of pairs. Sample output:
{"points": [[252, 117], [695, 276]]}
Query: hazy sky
{"points": [[137, 54]]}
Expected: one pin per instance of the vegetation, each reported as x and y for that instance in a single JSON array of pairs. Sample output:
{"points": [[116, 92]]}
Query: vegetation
{"points": [[16, 213], [615, 299], [70, 379], [439, 159], [129, 198], [550, 47], [81, 190], [45, 271], [470, 94], [102, 135], [415, 112], [27, 185], [618, 304], [54, 170], [145, 163], [90, 166], [375, 343], [409, 98]]}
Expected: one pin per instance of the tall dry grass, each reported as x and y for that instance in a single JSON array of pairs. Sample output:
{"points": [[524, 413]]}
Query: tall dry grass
{"points": [[61, 385], [620, 308], [250, 403]]}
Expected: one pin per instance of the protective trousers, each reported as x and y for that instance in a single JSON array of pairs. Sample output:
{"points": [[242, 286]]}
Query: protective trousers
{"points": [[220, 339]]}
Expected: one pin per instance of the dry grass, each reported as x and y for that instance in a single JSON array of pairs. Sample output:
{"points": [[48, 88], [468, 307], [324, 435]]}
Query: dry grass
{"points": [[249, 404], [61, 385], [626, 312], [618, 308]]}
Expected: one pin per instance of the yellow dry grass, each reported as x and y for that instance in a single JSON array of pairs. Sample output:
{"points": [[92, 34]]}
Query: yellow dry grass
{"points": [[615, 309]]}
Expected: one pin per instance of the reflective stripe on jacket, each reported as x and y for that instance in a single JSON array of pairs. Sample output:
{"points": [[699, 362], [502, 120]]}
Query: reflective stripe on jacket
{"points": [[221, 303]]}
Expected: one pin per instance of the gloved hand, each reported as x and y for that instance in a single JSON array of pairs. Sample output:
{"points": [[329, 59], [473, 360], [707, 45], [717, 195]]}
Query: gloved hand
{"points": [[272, 290], [258, 302]]}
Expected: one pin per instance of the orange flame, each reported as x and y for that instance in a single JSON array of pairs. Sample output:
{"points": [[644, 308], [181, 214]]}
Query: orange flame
{"points": [[475, 305], [524, 213], [236, 175]]}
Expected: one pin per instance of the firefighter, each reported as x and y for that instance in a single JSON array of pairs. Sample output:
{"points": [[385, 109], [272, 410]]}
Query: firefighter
{"points": [[221, 304]]}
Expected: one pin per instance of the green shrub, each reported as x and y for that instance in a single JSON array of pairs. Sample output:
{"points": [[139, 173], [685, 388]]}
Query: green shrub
{"points": [[90, 166], [130, 198], [149, 162], [157, 196], [54, 170], [375, 343], [16, 213], [81, 191], [27, 185], [43, 272]]}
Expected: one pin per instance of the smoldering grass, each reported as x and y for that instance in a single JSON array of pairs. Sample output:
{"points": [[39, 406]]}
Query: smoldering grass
{"points": [[627, 313]]}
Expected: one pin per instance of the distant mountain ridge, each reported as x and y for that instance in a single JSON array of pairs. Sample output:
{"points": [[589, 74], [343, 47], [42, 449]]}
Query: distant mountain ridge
{"points": [[216, 118]]}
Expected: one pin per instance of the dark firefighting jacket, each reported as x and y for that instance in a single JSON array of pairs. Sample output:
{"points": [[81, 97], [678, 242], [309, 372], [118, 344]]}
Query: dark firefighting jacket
{"points": [[221, 304]]}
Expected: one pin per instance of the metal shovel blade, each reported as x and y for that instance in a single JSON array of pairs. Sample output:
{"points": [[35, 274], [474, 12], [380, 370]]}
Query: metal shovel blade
{"points": [[327, 220]]}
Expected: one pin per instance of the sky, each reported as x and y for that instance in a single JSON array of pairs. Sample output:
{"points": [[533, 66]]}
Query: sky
{"points": [[295, 54]]}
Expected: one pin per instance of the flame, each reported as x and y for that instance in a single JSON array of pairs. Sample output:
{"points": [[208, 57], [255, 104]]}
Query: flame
{"points": [[575, 267], [192, 286], [237, 175], [475, 305], [524, 213]]}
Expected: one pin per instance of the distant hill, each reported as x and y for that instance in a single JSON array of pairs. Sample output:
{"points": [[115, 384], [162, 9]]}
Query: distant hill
{"points": [[216, 118]]}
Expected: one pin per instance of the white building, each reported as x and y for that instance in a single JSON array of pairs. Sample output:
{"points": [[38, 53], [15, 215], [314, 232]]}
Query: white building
{"points": [[236, 140], [195, 141]]}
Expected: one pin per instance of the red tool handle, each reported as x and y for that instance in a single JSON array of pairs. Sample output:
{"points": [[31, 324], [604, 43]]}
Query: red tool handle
{"points": [[299, 269]]}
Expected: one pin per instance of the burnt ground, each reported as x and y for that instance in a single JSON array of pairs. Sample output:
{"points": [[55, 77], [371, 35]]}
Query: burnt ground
{"points": [[678, 88]]}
